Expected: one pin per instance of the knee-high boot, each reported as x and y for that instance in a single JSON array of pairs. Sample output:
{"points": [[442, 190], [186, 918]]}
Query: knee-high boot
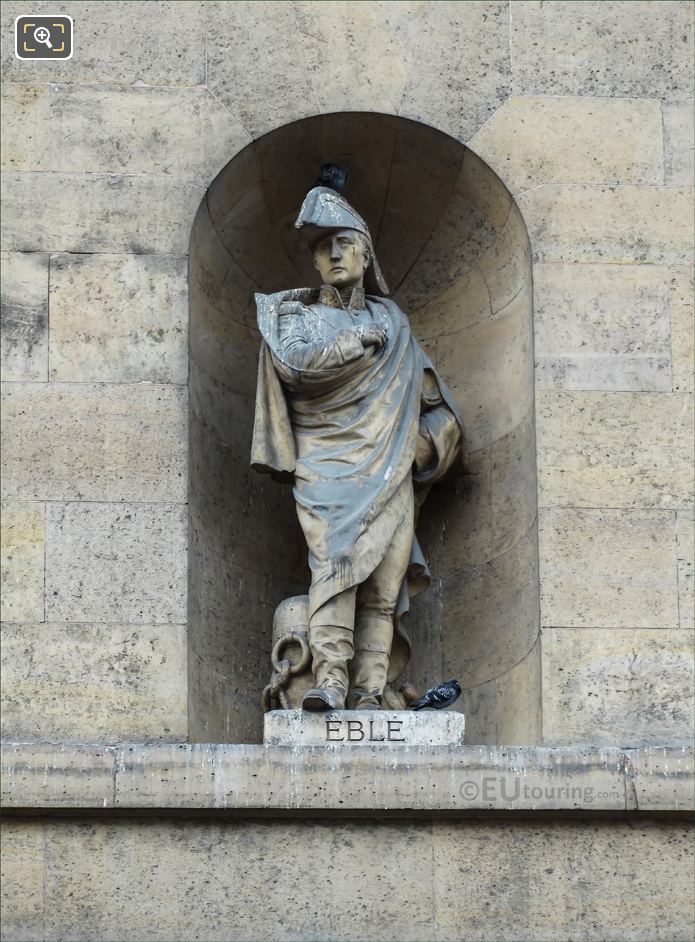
{"points": [[370, 664]]}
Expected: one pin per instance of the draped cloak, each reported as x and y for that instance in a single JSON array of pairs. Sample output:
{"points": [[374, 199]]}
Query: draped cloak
{"points": [[343, 428]]}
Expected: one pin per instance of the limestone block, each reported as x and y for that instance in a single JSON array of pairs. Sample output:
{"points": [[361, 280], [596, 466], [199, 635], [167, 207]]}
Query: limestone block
{"points": [[507, 709], [23, 544], [616, 50], [373, 729], [506, 266], [118, 319], [602, 327], [568, 880], [490, 614], [221, 708], [181, 132], [94, 213], [658, 777], [464, 304], [625, 224], [94, 682], [23, 877], [626, 685], [121, 563], [686, 552], [78, 441], [24, 320], [467, 359], [153, 43], [26, 140], [617, 449], [519, 705], [49, 775], [681, 307], [256, 64], [382, 39], [531, 141], [461, 69], [462, 236], [608, 568], [481, 185], [477, 517], [679, 166], [109, 880]]}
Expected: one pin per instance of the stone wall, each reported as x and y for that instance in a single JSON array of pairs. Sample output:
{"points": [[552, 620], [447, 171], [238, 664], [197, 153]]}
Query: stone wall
{"points": [[411, 881], [107, 157], [584, 111]]}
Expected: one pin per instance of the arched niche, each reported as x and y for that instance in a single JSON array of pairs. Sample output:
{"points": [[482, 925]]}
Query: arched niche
{"points": [[454, 249]]}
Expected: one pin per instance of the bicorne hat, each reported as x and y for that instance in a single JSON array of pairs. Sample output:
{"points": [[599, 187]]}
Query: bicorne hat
{"points": [[324, 210]]}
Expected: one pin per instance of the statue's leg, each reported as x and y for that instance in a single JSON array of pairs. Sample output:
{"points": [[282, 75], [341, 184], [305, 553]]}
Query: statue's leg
{"points": [[330, 640], [376, 604]]}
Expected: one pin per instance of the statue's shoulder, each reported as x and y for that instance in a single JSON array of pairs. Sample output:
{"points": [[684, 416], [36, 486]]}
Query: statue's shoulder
{"points": [[268, 308]]}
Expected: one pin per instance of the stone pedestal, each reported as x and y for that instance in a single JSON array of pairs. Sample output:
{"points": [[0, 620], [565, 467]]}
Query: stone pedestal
{"points": [[364, 728]]}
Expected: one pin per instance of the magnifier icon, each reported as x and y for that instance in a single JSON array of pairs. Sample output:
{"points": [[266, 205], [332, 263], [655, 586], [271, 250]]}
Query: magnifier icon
{"points": [[43, 35]]}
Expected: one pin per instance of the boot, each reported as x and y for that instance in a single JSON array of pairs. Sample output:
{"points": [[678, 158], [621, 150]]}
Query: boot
{"points": [[369, 666], [331, 649]]}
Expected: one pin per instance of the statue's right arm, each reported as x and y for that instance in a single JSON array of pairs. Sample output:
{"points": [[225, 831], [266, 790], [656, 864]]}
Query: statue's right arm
{"points": [[303, 347]]}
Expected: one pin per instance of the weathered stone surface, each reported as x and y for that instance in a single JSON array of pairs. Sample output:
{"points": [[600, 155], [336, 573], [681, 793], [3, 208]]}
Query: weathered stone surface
{"points": [[614, 449], [531, 141], [23, 545], [681, 290], [461, 70], [624, 224], [24, 319], [467, 358], [265, 82], [453, 778], [94, 213], [506, 266], [679, 165], [602, 327], [380, 729], [616, 50], [143, 42], [686, 552], [106, 879], [658, 778], [627, 685], [608, 568], [518, 701], [23, 879], [381, 37], [50, 775], [77, 441], [494, 608], [94, 682], [116, 563], [118, 319], [180, 132], [316, 870], [484, 514], [272, 778], [569, 881]]}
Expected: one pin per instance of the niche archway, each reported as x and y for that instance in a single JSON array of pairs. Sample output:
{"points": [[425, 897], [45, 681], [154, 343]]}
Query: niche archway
{"points": [[455, 251]]}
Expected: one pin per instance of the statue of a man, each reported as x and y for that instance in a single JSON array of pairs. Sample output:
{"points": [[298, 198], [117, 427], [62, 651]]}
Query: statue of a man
{"points": [[351, 410]]}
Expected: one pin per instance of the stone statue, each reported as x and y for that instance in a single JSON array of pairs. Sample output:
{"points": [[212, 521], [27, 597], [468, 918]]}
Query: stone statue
{"points": [[351, 410]]}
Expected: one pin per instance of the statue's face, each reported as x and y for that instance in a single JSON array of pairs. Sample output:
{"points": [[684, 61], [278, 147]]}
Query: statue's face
{"points": [[340, 258]]}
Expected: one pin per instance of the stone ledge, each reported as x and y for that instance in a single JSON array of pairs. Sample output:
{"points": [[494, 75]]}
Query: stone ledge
{"points": [[250, 779]]}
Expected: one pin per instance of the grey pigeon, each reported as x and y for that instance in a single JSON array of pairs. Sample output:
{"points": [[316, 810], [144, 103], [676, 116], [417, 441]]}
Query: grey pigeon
{"points": [[439, 697]]}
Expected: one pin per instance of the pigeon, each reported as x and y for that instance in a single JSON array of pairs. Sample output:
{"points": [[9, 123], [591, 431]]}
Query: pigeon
{"points": [[332, 176], [439, 697]]}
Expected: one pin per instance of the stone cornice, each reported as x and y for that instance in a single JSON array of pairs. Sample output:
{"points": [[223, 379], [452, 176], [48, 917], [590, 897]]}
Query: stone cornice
{"points": [[161, 778]]}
